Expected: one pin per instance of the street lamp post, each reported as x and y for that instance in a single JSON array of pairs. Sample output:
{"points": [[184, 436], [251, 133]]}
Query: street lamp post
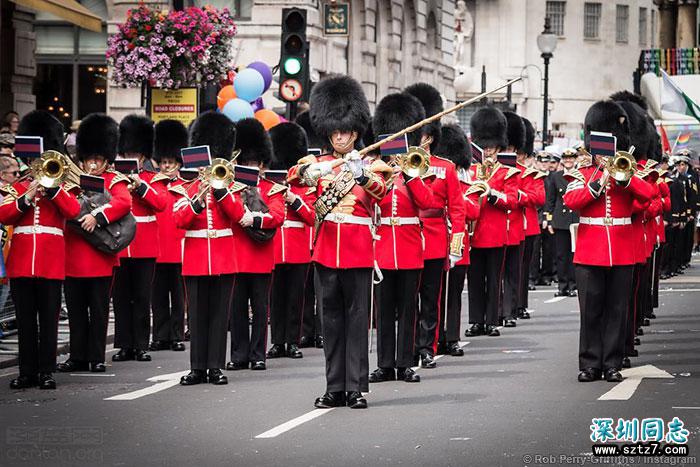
{"points": [[546, 42]]}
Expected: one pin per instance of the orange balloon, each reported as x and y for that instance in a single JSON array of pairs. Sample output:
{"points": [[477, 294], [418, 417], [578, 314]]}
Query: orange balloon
{"points": [[267, 117], [226, 94]]}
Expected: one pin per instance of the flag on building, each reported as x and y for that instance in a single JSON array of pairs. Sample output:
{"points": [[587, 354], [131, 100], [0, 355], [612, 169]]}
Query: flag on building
{"points": [[673, 99]]}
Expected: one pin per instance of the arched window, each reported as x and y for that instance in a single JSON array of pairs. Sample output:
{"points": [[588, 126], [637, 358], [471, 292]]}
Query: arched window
{"points": [[408, 41], [432, 42]]}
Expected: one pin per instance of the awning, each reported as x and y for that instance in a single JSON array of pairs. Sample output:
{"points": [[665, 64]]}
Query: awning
{"points": [[70, 10]]}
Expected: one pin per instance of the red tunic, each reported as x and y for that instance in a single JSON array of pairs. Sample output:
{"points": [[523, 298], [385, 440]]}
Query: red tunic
{"points": [[472, 208], [38, 246], [208, 235], [605, 227], [292, 245], [169, 235], [149, 199], [516, 215], [533, 187], [84, 260], [491, 228], [252, 256]]}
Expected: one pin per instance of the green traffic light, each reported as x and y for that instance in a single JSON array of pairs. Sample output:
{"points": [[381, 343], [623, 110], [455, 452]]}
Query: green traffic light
{"points": [[292, 66]]}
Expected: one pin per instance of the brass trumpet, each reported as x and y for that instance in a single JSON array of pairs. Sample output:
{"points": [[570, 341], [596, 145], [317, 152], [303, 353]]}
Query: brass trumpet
{"points": [[415, 163], [50, 170], [622, 166]]}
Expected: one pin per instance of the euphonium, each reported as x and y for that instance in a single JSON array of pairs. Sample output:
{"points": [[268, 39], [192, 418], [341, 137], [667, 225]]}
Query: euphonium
{"points": [[50, 170], [415, 163], [622, 166]]}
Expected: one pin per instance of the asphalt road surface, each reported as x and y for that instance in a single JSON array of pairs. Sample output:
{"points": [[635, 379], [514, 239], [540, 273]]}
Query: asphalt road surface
{"points": [[511, 400]]}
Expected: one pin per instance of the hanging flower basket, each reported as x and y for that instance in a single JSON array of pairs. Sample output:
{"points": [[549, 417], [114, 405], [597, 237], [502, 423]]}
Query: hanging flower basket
{"points": [[178, 49]]}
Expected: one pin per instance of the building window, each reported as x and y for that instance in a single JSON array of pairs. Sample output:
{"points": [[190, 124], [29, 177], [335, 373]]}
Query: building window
{"points": [[643, 27], [653, 28], [555, 12], [591, 20], [622, 18]]}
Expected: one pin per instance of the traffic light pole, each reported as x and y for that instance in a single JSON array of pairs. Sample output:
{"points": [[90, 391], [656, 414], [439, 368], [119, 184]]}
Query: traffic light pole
{"points": [[291, 113]]}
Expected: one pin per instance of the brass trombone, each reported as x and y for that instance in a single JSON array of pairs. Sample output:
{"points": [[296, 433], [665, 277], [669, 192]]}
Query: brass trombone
{"points": [[53, 168], [622, 166], [415, 163]]}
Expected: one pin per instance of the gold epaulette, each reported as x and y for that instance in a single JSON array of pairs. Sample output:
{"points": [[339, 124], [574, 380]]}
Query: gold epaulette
{"points": [[529, 171], [159, 177], [308, 160], [277, 188], [178, 189], [540, 175], [310, 191], [512, 171], [118, 177], [472, 190], [576, 175], [237, 186], [9, 190]]}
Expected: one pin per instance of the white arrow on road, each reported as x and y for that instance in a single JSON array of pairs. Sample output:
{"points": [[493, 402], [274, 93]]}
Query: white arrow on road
{"points": [[163, 382], [633, 377]]}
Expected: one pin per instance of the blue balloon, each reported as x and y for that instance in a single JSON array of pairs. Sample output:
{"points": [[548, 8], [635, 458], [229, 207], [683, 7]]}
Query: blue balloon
{"points": [[249, 84], [237, 109]]}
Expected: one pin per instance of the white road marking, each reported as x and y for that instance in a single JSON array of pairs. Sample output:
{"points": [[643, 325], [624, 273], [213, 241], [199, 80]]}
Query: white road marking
{"points": [[555, 299], [686, 408], [516, 351], [166, 381], [460, 439], [291, 424], [633, 377], [101, 375]]}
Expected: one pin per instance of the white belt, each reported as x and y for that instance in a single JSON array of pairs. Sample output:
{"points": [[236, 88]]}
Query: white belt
{"points": [[658, 219], [400, 221], [204, 233], [37, 229], [348, 219], [294, 224], [145, 219], [606, 220]]}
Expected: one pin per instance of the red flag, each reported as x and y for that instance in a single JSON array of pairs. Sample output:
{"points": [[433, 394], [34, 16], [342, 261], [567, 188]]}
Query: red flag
{"points": [[665, 145]]}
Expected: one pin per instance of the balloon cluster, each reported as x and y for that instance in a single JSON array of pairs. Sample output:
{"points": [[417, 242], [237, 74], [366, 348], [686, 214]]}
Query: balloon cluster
{"points": [[243, 98]]}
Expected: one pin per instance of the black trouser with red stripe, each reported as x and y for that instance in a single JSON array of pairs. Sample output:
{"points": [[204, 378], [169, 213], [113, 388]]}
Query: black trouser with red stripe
{"points": [[288, 296], [87, 300], [484, 284], [455, 286], [397, 303], [36, 298], [254, 288], [656, 270], [431, 299], [632, 321], [511, 281], [528, 250], [133, 283], [168, 303]]}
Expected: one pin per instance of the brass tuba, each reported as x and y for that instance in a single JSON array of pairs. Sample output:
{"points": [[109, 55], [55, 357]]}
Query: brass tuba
{"points": [[622, 166], [415, 163], [50, 170]]}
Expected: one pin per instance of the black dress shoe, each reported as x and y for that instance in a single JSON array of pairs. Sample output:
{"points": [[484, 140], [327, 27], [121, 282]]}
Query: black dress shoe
{"points": [[319, 342], [646, 322], [663, 277], [187, 335], [427, 361], [233, 366], [276, 351], [217, 377], [509, 323], [407, 375], [97, 367], [194, 377], [633, 353], [123, 355], [259, 366], [178, 346], [637, 341], [70, 366], [652, 316], [356, 401], [293, 351], [381, 375], [476, 329], [589, 374], [330, 400], [441, 349], [23, 382], [521, 313], [46, 381], [306, 341], [561, 293], [531, 286], [492, 331], [455, 350], [626, 363], [640, 331], [142, 356], [612, 375], [159, 345], [573, 293]]}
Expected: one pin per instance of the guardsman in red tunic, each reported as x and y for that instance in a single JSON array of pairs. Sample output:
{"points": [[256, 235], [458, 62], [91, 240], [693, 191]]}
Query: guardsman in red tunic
{"points": [[168, 295], [399, 249], [454, 145], [348, 190], [36, 261], [133, 279], [88, 270], [604, 260], [254, 256], [208, 263], [533, 187], [292, 248], [488, 242], [443, 248]]}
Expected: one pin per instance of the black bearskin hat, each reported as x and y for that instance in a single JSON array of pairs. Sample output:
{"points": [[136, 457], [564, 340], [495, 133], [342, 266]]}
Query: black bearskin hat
{"points": [[170, 137], [339, 103], [215, 130], [288, 144], [454, 145], [42, 123], [529, 147], [489, 128], [98, 135], [432, 104], [253, 141], [640, 137], [608, 117], [304, 121], [395, 112], [627, 96], [136, 135], [516, 130]]}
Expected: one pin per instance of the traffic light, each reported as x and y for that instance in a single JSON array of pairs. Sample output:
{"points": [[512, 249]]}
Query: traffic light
{"points": [[294, 56]]}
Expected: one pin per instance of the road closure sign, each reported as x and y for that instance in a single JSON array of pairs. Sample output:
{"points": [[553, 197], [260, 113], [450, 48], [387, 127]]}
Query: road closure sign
{"points": [[176, 104]]}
